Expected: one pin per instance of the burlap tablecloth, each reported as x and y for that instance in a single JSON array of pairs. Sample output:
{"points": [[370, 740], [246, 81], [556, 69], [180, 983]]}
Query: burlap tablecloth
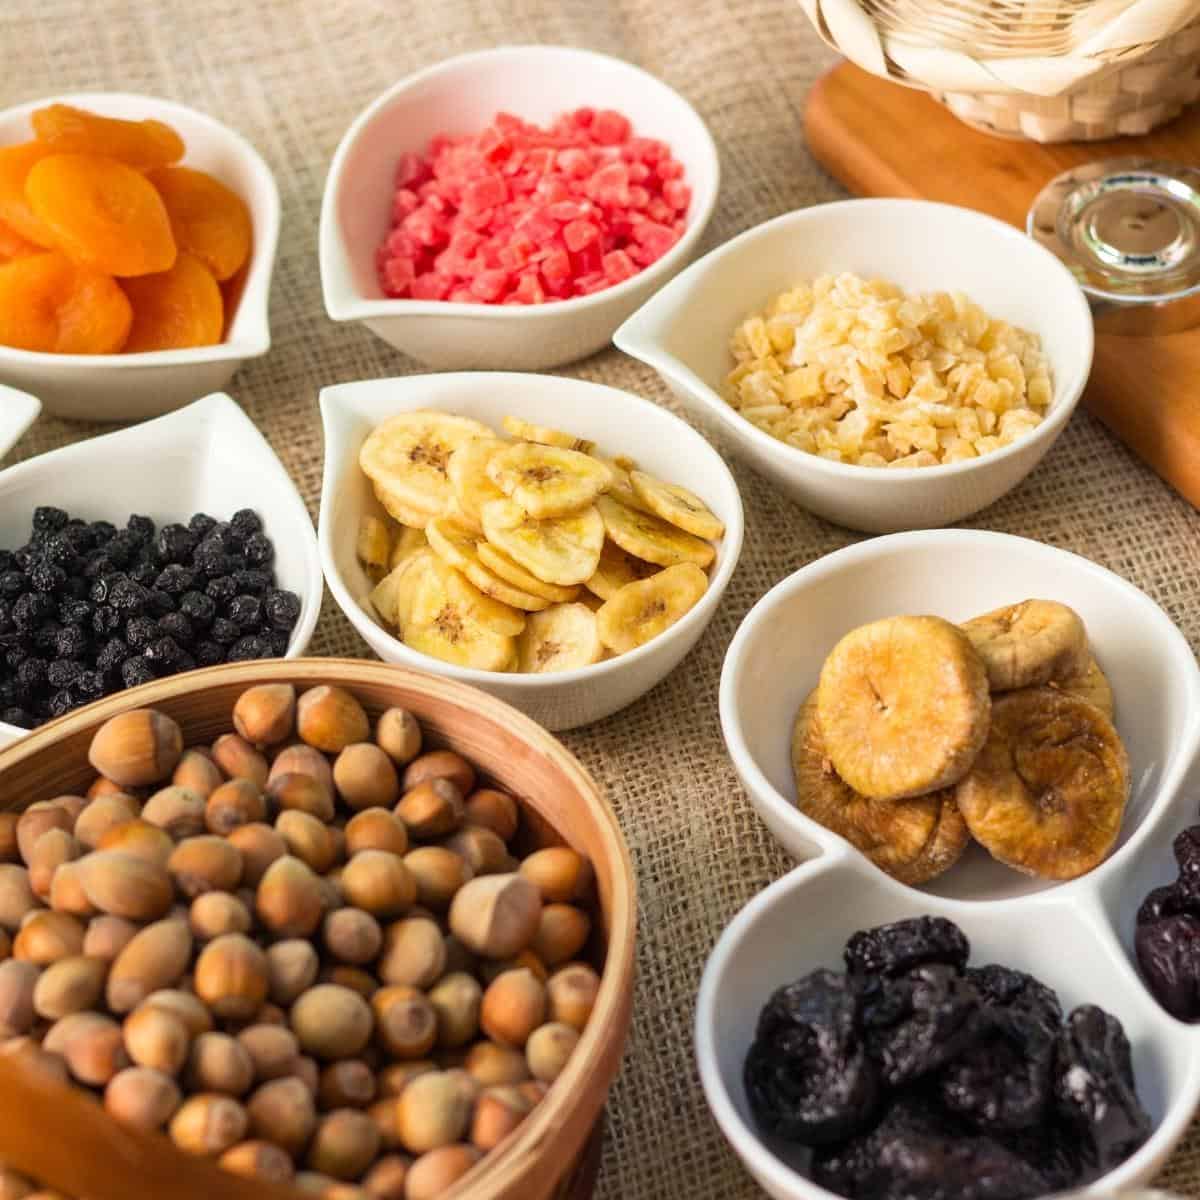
{"points": [[290, 75]]}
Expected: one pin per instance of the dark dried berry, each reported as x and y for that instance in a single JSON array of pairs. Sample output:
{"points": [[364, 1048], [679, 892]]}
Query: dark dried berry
{"points": [[121, 550], [245, 612], [75, 612], [144, 573], [48, 520], [258, 550], [112, 654], [244, 523], [177, 626], [1005, 987], [253, 581], [280, 640], [60, 703], [12, 584], [63, 673], [163, 652], [24, 558], [100, 589], [140, 632], [1162, 902], [1187, 855], [222, 589], [1168, 952], [47, 578], [198, 608], [8, 561], [212, 560], [200, 524], [59, 552], [78, 536], [31, 610], [127, 597], [45, 637], [135, 671], [17, 716], [31, 673], [105, 621], [898, 947], [174, 544], [209, 654], [176, 579], [282, 608], [88, 686], [247, 648], [158, 603], [71, 642], [224, 632], [141, 528]]}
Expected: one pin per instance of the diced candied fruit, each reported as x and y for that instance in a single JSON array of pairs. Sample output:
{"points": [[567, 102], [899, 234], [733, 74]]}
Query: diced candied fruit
{"points": [[609, 128], [15, 165], [207, 218], [142, 144], [175, 308]]}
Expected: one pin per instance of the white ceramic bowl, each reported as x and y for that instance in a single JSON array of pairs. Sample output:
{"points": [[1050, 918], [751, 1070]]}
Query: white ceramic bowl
{"points": [[683, 333], [775, 659], [618, 422], [130, 387], [462, 95], [208, 457], [18, 410]]}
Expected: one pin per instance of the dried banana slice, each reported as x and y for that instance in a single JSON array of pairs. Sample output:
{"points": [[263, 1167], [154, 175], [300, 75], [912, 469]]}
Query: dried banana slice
{"points": [[467, 472], [511, 572], [641, 611], [903, 705], [649, 537], [392, 596], [560, 639], [372, 547], [459, 547], [548, 481], [1048, 791], [561, 550], [407, 456], [454, 638], [621, 488], [545, 436], [1092, 686], [398, 510], [1026, 644], [616, 568], [676, 505], [407, 542], [447, 586], [911, 840]]}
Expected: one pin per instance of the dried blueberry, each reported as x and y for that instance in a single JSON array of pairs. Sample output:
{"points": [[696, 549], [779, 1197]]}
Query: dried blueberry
{"points": [[75, 612], [198, 608], [158, 603], [48, 520], [258, 550], [1187, 855], [174, 544], [47, 578], [140, 632], [135, 671], [245, 612], [247, 648], [282, 608], [141, 529], [224, 632], [127, 597], [209, 654], [221, 589], [88, 686], [252, 581], [45, 637], [162, 653], [31, 674], [200, 524], [71, 642], [121, 550], [177, 626], [898, 947], [280, 639], [112, 654], [60, 703], [30, 610], [244, 523], [176, 579], [144, 573], [211, 558], [59, 552], [1168, 952], [105, 621], [63, 673]]}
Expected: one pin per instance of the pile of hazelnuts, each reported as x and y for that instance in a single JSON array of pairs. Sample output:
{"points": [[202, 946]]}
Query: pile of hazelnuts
{"points": [[305, 951]]}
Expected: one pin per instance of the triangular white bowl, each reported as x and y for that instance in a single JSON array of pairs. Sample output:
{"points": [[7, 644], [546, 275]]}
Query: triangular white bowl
{"points": [[207, 457], [127, 387], [18, 410]]}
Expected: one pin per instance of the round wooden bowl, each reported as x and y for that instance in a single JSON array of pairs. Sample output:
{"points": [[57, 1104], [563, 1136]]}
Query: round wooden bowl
{"points": [[62, 1138]]}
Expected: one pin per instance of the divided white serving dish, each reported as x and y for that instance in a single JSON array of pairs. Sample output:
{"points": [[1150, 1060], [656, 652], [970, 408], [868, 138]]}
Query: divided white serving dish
{"points": [[620, 423], [1077, 936], [131, 387], [207, 457], [18, 411]]}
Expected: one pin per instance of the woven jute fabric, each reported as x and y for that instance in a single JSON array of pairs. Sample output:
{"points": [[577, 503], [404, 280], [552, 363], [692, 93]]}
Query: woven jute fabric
{"points": [[290, 76]]}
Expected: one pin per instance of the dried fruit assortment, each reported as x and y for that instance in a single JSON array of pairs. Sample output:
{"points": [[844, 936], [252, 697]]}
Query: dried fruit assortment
{"points": [[107, 244], [912, 1074], [532, 553], [518, 214], [1167, 941], [305, 950], [87, 609], [922, 735]]}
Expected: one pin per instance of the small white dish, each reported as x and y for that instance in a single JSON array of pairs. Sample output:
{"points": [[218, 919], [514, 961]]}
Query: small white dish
{"points": [[775, 659], [208, 457], [18, 411], [619, 423], [683, 332], [463, 95], [131, 387]]}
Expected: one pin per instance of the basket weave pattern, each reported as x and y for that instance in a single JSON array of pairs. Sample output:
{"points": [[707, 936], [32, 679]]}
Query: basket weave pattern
{"points": [[1133, 71]]}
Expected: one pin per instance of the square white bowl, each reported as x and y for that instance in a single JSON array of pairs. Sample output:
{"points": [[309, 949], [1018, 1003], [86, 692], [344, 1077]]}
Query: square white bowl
{"points": [[462, 95], [620, 423], [684, 331], [130, 387], [18, 411], [775, 659], [208, 457]]}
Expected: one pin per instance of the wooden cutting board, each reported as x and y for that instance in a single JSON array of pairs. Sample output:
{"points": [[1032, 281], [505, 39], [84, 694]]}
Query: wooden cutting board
{"points": [[880, 139]]}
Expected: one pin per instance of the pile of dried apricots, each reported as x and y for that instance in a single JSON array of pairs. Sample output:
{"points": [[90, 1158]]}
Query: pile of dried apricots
{"points": [[106, 245]]}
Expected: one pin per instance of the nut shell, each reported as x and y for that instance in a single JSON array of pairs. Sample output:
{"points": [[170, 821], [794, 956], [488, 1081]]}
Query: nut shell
{"points": [[177, 811], [239, 759], [405, 1021], [137, 748], [289, 900], [124, 885], [353, 936], [494, 810], [378, 883], [376, 829], [231, 977], [237, 802], [440, 764], [258, 1160], [208, 1124], [365, 777], [296, 791], [140, 839], [220, 1063], [198, 773], [435, 1172], [331, 1022], [414, 953], [432, 808], [330, 719], [101, 815], [434, 1110], [69, 985], [205, 864], [265, 715], [514, 1005], [47, 936], [398, 735], [496, 916], [282, 1112], [344, 1144], [18, 984], [142, 1098], [292, 966]]}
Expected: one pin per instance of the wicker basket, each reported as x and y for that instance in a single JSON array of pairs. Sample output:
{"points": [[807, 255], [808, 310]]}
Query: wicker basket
{"points": [[1045, 70]]}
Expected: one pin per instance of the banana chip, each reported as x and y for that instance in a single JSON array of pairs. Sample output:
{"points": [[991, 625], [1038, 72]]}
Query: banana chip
{"points": [[562, 638], [372, 547], [500, 564], [525, 432], [467, 472], [455, 639], [560, 550], [407, 542], [548, 481], [621, 487], [392, 597], [649, 537], [617, 567], [676, 505], [641, 611], [445, 586], [456, 546], [398, 510]]}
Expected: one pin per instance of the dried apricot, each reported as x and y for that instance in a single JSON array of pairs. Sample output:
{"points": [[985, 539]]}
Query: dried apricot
{"points": [[180, 307], [13, 245], [144, 144], [207, 219], [51, 304], [15, 164], [102, 213]]}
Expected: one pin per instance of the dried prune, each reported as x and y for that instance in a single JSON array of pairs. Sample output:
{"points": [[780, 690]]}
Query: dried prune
{"points": [[898, 947], [1168, 952], [1187, 855], [1093, 1086], [808, 1076], [1007, 988], [1160, 902]]}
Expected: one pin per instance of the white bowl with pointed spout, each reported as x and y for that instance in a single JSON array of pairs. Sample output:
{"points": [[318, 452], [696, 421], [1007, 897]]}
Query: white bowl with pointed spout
{"points": [[18, 411], [208, 457], [131, 387]]}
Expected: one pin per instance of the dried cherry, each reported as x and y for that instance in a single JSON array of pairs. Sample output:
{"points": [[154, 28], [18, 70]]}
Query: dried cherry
{"points": [[898, 947]]}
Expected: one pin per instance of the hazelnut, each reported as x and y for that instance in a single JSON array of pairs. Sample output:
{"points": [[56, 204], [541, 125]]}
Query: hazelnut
{"points": [[308, 838], [378, 883], [494, 810], [439, 873], [514, 1005], [239, 760], [216, 913], [140, 839], [258, 1160], [330, 719], [346, 1084], [302, 793], [231, 976], [344, 1144], [220, 1063], [289, 901], [91, 1044], [101, 815], [156, 1038], [9, 851], [398, 735], [264, 715], [282, 1112], [385, 1179], [259, 846], [137, 748], [17, 898], [441, 764], [493, 968], [365, 777], [205, 864], [47, 936], [395, 1077], [559, 873], [302, 760], [292, 967], [405, 1021], [562, 932], [431, 809], [187, 1007], [456, 1001], [198, 773], [491, 1064], [308, 1071], [66, 892], [498, 1112], [433, 1110], [414, 953], [35, 822], [53, 848], [238, 802], [435, 1172], [272, 1048], [70, 985], [177, 811], [496, 916], [483, 850], [105, 936], [126, 886], [548, 1048], [331, 1021], [355, 978], [18, 985], [141, 1097], [571, 994], [106, 787], [353, 936], [376, 829], [208, 1123]]}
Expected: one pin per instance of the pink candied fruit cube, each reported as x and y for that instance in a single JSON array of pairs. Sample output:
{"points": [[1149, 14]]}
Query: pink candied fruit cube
{"points": [[654, 238], [583, 117], [490, 285], [677, 194], [668, 168], [553, 190], [610, 186], [431, 286], [567, 210], [578, 234], [556, 268], [619, 266], [483, 193], [494, 145], [574, 162], [609, 127], [404, 202], [398, 274], [529, 288], [411, 169], [537, 224]]}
